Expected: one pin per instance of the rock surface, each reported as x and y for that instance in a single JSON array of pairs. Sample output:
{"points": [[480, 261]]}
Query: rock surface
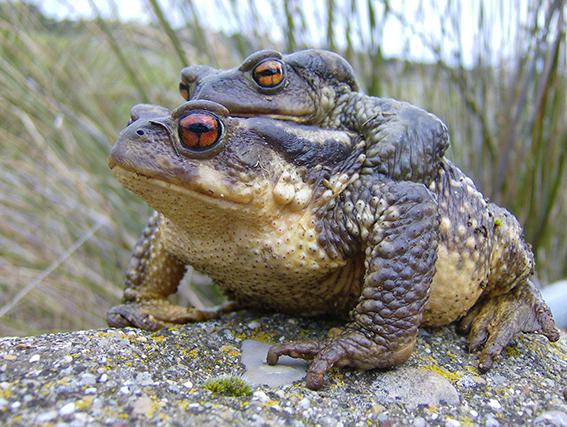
{"points": [[119, 377]]}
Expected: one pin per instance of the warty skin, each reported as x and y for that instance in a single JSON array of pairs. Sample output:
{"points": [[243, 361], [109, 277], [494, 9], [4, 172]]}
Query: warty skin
{"points": [[279, 226]]}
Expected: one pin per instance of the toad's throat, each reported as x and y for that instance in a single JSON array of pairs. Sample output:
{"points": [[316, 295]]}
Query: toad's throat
{"points": [[197, 188]]}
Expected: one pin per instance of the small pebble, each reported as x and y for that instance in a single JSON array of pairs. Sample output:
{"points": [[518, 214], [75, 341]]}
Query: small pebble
{"points": [[328, 422], [491, 422], [45, 417], [498, 379], [494, 404], [261, 396], [87, 379], [35, 358], [552, 418], [466, 381], [304, 403], [188, 384], [143, 406], [377, 409], [124, 390], [419, 422], [144, 379], [194, 407], [254, 324], [103, 378], [90, 390], [67, 409], [67, 359]]}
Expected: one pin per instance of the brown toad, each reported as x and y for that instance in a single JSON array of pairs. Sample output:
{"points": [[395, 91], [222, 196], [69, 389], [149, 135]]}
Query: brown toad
{"points": [[289, 217]]}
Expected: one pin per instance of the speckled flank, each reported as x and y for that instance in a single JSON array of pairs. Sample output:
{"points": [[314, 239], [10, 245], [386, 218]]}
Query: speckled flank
{"points": [[481, 249], [465, 247]]}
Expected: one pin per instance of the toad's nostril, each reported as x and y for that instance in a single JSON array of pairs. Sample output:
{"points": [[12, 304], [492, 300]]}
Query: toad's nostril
{"points": [[140, 132]]}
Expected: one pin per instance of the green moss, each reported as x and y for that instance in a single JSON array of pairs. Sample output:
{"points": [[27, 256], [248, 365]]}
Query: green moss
{"points": [[512, 351], [231, 386], [497, 222]]}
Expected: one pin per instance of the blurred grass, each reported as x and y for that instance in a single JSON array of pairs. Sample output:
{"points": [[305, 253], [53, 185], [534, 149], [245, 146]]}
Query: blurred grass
{"points": [[66, 88]]}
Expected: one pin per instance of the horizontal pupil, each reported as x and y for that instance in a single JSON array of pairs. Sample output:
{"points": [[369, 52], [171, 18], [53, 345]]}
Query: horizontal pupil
{"points": [[269, 72], [200, 128]]}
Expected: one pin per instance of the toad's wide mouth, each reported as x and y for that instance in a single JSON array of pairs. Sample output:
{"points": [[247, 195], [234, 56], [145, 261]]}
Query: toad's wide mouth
{"points": [[203, 187]]}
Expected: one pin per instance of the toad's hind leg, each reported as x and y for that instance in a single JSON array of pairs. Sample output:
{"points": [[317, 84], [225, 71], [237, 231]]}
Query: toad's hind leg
{"points": [[494, 322], [511, 304], [154, 274]]}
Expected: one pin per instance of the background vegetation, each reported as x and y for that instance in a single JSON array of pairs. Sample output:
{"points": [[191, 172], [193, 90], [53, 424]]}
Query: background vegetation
{"points": [[66, 87]]}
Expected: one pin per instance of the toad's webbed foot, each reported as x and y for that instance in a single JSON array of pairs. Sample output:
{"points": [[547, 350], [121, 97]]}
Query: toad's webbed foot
{"points": [[493, 323], [156, 314]]}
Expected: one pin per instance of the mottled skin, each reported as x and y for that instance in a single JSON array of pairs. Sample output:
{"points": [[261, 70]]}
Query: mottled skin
{"points": [[289, 217], [404, 142]]}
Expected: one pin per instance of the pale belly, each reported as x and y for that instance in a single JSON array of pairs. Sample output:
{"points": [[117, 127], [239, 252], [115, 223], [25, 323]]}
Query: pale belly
{"points": [[283, 269]]}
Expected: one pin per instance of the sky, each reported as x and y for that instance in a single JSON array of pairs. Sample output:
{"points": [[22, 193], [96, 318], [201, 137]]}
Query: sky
{"points": [[412, 39]]}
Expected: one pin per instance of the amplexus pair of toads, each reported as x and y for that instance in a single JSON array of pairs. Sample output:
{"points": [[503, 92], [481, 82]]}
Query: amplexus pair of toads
{"points": [[297, 193]]}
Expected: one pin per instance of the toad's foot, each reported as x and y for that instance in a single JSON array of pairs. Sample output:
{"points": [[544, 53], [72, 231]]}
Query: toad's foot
{"points": [[346, 348], [493, 323], [156, 314]]}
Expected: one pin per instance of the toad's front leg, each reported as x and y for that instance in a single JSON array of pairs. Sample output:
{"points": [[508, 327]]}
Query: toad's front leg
{"points": [[153, 275], [401, 250]]}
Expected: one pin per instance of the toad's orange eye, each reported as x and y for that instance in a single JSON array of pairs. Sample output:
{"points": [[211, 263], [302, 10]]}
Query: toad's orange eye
{"points": [[269, 73], [199, 131]]}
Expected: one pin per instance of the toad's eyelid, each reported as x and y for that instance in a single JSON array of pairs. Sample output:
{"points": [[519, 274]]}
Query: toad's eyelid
{"points": [[201, 104], [257, 57]]}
